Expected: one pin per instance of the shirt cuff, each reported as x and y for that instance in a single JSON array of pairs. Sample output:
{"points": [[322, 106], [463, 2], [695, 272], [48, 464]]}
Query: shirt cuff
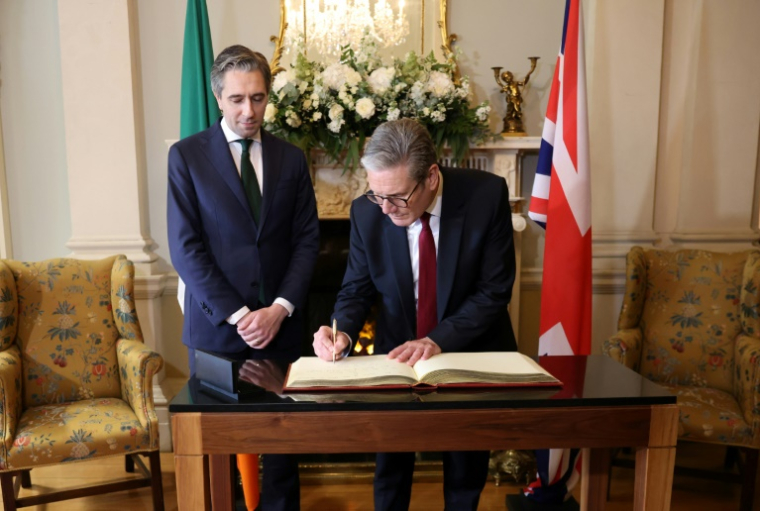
{"points": [[288, 306], [237, 316], [347, 351]]}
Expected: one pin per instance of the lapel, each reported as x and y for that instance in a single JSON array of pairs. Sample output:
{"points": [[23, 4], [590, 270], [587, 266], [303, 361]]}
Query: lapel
{"points": [[271, 157], [217, 151], [397, 248], [449, 236]]}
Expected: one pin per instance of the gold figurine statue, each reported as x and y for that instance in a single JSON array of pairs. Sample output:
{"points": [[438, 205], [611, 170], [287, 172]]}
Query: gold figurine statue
{"points": [[513, 126]]}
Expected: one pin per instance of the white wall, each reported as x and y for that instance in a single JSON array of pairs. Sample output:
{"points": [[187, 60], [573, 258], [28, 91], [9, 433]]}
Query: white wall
{"points": [[31, 104]]}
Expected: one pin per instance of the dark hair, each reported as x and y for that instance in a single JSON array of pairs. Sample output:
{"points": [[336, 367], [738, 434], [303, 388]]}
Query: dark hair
{"points": [[239, 58]]}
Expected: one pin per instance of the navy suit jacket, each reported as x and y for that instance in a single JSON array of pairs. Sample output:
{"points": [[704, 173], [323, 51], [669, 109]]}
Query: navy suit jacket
{"points": [[219, 251], [475, 265]]}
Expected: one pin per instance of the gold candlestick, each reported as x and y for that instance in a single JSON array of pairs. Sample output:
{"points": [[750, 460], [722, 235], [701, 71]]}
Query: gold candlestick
{"points": [[513, 125]]}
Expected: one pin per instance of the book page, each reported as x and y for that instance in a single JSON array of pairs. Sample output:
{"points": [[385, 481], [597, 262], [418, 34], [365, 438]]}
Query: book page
{"points": [[351, 371], [490, 367]]}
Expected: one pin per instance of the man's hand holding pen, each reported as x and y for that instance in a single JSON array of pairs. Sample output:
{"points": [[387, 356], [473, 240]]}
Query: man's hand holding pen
{"points": [[324, 346]]}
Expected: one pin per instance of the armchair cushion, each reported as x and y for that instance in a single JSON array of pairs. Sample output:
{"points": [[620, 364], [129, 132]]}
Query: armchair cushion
{"points": [[60, 433], [690, 316], [711, 416], [66, 330]]}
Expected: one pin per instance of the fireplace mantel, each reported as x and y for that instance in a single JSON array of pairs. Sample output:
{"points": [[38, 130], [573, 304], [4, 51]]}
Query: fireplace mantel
{"points": [[336, 188]]}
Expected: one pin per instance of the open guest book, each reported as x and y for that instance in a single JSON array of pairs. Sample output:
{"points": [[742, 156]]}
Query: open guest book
{"points": [[488, 369]]}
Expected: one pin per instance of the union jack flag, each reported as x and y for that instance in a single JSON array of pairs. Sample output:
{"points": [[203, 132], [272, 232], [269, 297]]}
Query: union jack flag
{"points": [[561, 204]]}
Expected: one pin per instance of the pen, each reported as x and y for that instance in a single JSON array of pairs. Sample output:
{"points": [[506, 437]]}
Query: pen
{"points": [[334, 335]]}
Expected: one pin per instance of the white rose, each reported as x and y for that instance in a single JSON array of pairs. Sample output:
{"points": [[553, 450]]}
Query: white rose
{"points": [[282, 79], [365, 108], [317, 116], [336, 112], [482, 112], [292, 119], [417, 93], [270, 113], [352, 77], [439, 84], [336, 75], [438, 116], [380, 79], [333, 76], [335, 125], [307, 104]]}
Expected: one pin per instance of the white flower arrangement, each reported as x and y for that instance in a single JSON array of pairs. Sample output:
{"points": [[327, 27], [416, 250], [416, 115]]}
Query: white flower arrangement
{"points": [[336, 107]]}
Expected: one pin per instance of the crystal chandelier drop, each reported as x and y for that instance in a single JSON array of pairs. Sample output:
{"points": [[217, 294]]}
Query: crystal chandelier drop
{"points": [[331, 24]]}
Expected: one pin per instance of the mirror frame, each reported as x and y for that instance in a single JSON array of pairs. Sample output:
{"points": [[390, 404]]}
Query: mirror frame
{"points": [[443, 23]]}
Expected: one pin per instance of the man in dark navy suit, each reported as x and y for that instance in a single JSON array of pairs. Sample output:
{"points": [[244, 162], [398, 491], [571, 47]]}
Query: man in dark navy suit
{"points": [[435, 246], [243, 235]]}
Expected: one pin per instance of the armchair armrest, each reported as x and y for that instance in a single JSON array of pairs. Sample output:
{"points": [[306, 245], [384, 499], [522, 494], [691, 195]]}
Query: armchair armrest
{"points": [[625, 347], [10, 400], [747, 382], [137, 366]]}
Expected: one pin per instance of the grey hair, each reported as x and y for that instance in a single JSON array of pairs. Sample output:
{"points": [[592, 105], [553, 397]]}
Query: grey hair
{"points": [[400, 142], [239, 58]]}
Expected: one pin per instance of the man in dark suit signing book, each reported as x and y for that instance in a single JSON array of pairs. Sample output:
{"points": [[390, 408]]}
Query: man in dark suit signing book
{"points": [[435, 246], [243, 236]]}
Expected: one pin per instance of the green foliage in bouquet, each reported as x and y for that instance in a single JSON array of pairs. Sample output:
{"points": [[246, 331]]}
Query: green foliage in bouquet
{"points": [[336, 107]]}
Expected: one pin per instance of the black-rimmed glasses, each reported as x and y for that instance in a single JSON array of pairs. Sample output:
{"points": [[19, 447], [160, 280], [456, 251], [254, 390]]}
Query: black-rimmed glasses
{"points": [[398, 202]]}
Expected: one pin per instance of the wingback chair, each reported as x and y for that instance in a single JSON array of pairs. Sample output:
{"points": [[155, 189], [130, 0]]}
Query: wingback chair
{"points": [[689, 322], [75, 377]]}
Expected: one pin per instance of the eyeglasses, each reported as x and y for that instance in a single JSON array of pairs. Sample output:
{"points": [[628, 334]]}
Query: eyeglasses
{"points": [[398, 202]]}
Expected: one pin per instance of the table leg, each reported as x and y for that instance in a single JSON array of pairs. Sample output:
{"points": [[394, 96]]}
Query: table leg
{"points": [[654, 478], [192, 483], [222, 481], [595, 474]]}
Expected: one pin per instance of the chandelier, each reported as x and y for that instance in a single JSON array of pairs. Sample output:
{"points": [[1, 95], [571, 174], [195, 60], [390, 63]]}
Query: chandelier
{"points": [[331, 24]]}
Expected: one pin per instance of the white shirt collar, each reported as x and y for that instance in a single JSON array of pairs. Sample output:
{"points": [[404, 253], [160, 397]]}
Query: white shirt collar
{"points": [[231, 136]]}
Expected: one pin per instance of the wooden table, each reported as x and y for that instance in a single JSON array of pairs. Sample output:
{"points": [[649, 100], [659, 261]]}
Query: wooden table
{"points": [[602, 405]]}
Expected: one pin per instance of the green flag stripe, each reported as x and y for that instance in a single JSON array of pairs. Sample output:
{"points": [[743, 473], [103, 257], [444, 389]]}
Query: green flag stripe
{"points": [[198, 108]]}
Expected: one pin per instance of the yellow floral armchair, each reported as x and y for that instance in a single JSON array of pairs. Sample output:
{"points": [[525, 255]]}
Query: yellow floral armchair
{"points": [[690, 322], [75, 377]]}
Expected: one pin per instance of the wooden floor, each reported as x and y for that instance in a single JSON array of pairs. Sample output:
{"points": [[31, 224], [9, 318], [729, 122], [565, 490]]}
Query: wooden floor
{"points": [[688, 493]]}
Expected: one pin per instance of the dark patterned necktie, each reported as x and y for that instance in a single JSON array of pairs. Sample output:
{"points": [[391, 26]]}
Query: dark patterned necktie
{"points": [[250, 182], [252, 191], [427, 316]]}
